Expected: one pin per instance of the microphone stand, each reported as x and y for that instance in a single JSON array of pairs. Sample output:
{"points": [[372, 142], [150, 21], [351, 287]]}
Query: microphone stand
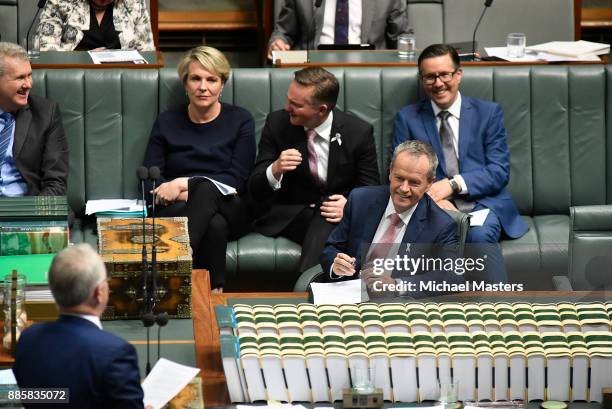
{"points": [[487, 4], [154, 174]]}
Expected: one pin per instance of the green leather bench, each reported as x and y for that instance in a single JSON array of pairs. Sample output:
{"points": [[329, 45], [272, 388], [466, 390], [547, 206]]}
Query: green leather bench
{"points": [[559, 138]]}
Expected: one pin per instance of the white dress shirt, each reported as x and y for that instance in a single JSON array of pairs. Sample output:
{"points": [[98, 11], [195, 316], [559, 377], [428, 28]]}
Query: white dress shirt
{"points": [[329, 22], [91, 318], [384, 224], [321, 148], [453, 120]]}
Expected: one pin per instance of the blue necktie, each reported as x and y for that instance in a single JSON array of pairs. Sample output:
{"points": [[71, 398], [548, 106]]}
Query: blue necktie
{"points": [[342, 22], [5, 134]]}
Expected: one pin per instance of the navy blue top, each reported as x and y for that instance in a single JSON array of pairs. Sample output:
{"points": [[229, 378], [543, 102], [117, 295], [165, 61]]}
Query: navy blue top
{"points": [[223, 149]]}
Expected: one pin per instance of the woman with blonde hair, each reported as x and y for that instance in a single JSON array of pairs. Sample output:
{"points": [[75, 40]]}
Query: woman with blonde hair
{"points": [[202, 148]]}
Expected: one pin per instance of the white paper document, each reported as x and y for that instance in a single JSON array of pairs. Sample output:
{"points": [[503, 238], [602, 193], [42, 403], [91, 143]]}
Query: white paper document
{"points": [[165, 381], [575, 49], [533, 56], [341, 292], [478, 217], [271, 405], [225, 190], [116, 56], [7, 377], [113, 205], [290, 57]]}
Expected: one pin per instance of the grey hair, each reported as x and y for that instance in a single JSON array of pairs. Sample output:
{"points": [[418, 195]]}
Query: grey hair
{"points": [[74, 274], [418, 148], [13, 51]]}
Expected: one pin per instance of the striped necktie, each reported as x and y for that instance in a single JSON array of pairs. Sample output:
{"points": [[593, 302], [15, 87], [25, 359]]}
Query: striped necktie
{"points": [[8, 121]]}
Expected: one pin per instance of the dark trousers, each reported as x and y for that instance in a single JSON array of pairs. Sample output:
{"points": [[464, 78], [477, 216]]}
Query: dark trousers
{"points": [[213, 220], [310, 230]]}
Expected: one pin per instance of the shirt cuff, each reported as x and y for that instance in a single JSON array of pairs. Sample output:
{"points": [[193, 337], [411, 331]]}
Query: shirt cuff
{"points": [[461, 182], [274, 184]]}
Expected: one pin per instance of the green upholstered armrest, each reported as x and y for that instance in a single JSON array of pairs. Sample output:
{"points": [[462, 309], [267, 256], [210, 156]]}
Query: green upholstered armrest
{"points": [[590, 245]]}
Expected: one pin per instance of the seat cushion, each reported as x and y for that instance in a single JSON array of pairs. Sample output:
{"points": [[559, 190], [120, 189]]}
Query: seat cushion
{"points": [[522, 256], [258, 254]]}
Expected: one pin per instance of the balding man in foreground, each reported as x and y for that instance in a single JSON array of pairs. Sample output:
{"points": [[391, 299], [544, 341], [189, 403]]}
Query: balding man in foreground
{"points": [[99, 369]]}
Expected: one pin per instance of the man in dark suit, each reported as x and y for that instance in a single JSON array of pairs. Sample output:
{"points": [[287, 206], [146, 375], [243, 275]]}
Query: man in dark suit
{"points": [[387, 217], [310, 157], [33, 147], [301, 25], [469, 138], [99, 369]]}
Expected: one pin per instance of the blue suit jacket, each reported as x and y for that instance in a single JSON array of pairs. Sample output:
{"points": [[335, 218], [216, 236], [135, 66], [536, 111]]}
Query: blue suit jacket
{"points": [[99, 368], [362, 213], [484, 159]]}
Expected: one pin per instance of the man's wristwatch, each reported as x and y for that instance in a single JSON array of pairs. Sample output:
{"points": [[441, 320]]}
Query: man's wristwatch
{"points": [[454, 185]]}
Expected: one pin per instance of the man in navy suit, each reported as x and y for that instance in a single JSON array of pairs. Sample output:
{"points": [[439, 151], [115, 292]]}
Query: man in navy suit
{"points": [[469, 138], [99, 369], [398, 213]]}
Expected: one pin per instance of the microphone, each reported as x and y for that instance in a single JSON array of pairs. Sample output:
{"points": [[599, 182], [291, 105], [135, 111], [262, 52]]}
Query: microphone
{"points": [[154, 175], [161, 320], [148, 320], [313, 24], [41, 4], [143, 175], [487, 4]]}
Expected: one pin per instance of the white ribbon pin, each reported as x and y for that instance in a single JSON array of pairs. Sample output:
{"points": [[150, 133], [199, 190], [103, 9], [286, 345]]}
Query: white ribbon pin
{"points": [[337, 138]]}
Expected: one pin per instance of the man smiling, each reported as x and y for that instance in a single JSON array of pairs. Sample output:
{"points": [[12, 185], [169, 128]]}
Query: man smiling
{"points": [[386, 216], [311, 155], [469, 138], [33, 148]]}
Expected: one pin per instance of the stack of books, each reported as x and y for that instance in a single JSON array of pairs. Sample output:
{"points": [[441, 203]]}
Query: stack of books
{"points": [[32, 230], [497, 351]]}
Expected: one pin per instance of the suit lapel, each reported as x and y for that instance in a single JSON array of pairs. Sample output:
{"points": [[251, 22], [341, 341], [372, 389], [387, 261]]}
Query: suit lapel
{"points": [[22, 124], [416, 223], [465, 128], [335, 149], [429, 123], [367, 13]]}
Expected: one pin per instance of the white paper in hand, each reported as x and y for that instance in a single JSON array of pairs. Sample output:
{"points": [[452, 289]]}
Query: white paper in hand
{"points": [[478, 217], [165, 381]]}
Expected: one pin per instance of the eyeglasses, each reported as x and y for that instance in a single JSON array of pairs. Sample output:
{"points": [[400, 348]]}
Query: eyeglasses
{"points": [[430, 79]]}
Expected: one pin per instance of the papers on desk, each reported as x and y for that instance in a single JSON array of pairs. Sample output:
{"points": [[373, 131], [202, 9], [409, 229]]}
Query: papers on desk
{"points": [[127, 206], [533, 55], [572, 49], [337, 293], [117, 56], [289, 57], [166, 379], [272, 405]]}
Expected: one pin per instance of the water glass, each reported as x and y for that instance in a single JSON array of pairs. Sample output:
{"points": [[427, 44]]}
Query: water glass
{"points": [[516, 45], [406, 45], [448, 391], [363, 378]]}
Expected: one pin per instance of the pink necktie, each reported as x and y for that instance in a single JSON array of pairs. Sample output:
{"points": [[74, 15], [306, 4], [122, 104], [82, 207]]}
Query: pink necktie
{"points": [[312, 156], [381, 248]]}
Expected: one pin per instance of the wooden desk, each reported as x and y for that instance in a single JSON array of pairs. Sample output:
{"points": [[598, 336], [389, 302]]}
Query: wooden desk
{"points": [[81, 59], [206, 332], [389, 58]]}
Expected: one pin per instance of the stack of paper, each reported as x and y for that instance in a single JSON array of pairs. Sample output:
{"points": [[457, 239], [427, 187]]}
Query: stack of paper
{"points": [[115, 208], [572, 49]]}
